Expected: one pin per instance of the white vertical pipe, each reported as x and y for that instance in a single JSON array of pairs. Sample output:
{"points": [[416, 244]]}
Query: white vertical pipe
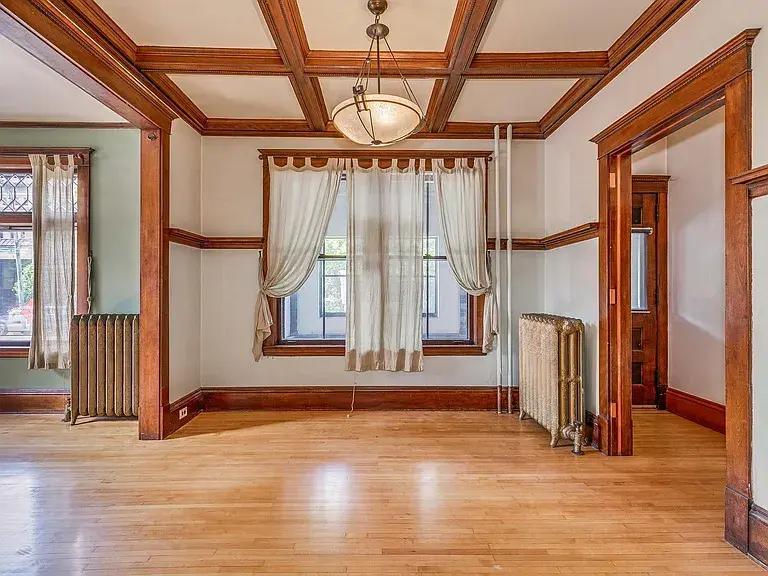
{"points": [[509, 269], [497, 288]]}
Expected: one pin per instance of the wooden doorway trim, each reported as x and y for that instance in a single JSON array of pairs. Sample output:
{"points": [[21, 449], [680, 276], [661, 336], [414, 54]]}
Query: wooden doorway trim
{"points": [[722, 79]]}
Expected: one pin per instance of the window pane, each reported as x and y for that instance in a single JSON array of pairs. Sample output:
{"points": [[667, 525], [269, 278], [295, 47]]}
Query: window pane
{"points": [[16, 278], [448, 317], [16, 192], [639, 271]]}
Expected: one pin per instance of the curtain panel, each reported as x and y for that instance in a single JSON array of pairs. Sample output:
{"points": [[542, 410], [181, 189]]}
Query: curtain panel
{"points": [[301, 201], [385, 250], [53, 237], [460, 193]]}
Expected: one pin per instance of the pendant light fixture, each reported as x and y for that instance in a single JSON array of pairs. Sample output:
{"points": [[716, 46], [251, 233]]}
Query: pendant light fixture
{"points": [[372, 118]]}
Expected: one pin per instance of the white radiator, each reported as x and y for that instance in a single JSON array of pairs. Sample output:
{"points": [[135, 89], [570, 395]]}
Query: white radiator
{"points": [[550, 368]]}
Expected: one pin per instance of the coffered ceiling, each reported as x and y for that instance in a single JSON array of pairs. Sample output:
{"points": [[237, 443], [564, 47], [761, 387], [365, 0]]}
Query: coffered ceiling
{"points": [[279, 67]]}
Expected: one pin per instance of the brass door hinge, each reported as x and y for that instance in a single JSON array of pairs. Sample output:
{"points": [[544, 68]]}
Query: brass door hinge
{"points": [[612, 295], [614, 410]]}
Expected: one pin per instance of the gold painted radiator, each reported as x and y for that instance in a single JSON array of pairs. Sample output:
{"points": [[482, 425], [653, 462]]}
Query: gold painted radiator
{"points": [[104, 349], [550, 374]]}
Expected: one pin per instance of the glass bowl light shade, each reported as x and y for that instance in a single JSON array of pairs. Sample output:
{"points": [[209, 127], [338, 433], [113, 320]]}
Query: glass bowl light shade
{"points": [[388, 118]]}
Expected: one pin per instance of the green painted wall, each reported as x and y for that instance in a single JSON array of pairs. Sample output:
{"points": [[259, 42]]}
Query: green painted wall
{"points": [[115, 207]]}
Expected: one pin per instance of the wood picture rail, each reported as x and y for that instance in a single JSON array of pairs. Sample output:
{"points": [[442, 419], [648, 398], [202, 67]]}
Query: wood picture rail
{"points": [[756, 181], [567, 237]]}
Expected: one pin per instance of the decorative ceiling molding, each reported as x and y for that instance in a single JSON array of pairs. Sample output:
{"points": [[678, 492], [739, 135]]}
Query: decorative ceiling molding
{"points": [[183, 60], [81, 42], [657, 19], [538, 65], [469, 24], [284, 22]]}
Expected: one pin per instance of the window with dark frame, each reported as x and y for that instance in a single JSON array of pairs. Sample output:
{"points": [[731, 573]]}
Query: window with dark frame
{"points": [[16, 246], [316, 315]]}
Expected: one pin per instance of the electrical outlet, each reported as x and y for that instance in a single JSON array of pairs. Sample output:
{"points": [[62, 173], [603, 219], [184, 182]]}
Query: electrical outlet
{"points": [[183, 413]]}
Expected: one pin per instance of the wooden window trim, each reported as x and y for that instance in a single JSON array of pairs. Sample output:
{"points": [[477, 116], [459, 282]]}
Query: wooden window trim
{"points": [[13, 159], [273, 346]]}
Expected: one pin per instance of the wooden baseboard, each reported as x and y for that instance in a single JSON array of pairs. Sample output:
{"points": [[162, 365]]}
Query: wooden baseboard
{"points": [[703, 412], [31, 401], [194, 404], [758, 533], [366, 398]]}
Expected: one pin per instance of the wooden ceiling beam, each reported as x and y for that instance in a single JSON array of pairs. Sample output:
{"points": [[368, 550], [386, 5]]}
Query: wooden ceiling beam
{"points": [[538, 65], [657, 19], [349, 62], [190, 60], [181, 103], [284, 22], [55, 33], [469, 24]]}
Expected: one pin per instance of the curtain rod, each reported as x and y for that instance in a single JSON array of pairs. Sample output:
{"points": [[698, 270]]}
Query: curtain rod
{"points": [[377, 155]]}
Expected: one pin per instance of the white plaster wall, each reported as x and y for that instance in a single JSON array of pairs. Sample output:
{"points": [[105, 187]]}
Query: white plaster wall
{"points": [[571, 159], [696, 218], [185, 262], [651, 160], [760, 350], [232, 205]]}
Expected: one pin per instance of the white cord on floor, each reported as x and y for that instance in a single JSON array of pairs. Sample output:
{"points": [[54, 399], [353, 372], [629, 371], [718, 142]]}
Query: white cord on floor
{"points": [[352, 407]]}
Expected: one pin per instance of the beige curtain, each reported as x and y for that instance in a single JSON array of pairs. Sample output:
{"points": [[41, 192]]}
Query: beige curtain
{"points": [[301, 202], [384, 267], [53, 235], [460, 193]]}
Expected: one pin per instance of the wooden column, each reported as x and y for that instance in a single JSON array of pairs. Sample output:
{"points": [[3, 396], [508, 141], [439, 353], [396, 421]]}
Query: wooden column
{"points": [[153, 327], [738, 311]]}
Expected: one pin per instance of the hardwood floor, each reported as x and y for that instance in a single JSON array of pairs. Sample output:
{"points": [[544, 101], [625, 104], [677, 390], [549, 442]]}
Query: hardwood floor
{"points": [[375, 493]]}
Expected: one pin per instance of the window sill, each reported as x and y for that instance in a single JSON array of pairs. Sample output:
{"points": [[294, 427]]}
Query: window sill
{"points": [[289, 350], [14, 352]]}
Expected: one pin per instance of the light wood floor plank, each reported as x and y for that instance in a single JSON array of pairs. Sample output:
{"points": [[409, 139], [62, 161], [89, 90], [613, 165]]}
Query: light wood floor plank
{"points": [[377, 493]]}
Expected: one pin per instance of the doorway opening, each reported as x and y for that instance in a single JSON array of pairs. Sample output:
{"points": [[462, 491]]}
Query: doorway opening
{"points": [[722, 80]]}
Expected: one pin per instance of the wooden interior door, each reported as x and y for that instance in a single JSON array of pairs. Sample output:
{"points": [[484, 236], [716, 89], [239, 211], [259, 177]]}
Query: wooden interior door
{"points": [[645, 297]]}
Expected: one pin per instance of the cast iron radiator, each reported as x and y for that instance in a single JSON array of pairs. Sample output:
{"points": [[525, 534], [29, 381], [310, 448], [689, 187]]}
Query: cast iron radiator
{"points": [[550, 373], [104, 350]]}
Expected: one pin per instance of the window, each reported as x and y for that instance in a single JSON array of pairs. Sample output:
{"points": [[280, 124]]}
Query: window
{"points": [[316, 314], [16, 246], [640, 269]]}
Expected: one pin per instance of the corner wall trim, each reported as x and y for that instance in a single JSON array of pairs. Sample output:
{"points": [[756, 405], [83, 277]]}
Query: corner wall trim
{"points": [[699, 410], [33, 401]]}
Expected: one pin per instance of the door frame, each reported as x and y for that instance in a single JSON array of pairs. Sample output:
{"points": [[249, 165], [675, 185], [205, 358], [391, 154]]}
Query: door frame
{"points": [[658, 185], [724, 79]]}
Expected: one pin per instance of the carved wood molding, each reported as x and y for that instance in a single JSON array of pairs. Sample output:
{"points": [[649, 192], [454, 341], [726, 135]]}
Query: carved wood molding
{"points": [[186, 238], [565, 238], [142, 92], [756, 181], [726, 64]]}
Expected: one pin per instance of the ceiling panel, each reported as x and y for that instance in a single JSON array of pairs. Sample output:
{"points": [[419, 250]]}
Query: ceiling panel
{"points": [[28, 86], [508, 100], [341, 24], [208, 23], [241, 96], [559, 25], [336, 90]]}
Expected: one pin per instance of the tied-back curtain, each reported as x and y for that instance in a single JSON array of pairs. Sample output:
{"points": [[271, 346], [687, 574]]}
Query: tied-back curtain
{"points": [[301, 202], [460, 193], [53, 236], [385, 250]]}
